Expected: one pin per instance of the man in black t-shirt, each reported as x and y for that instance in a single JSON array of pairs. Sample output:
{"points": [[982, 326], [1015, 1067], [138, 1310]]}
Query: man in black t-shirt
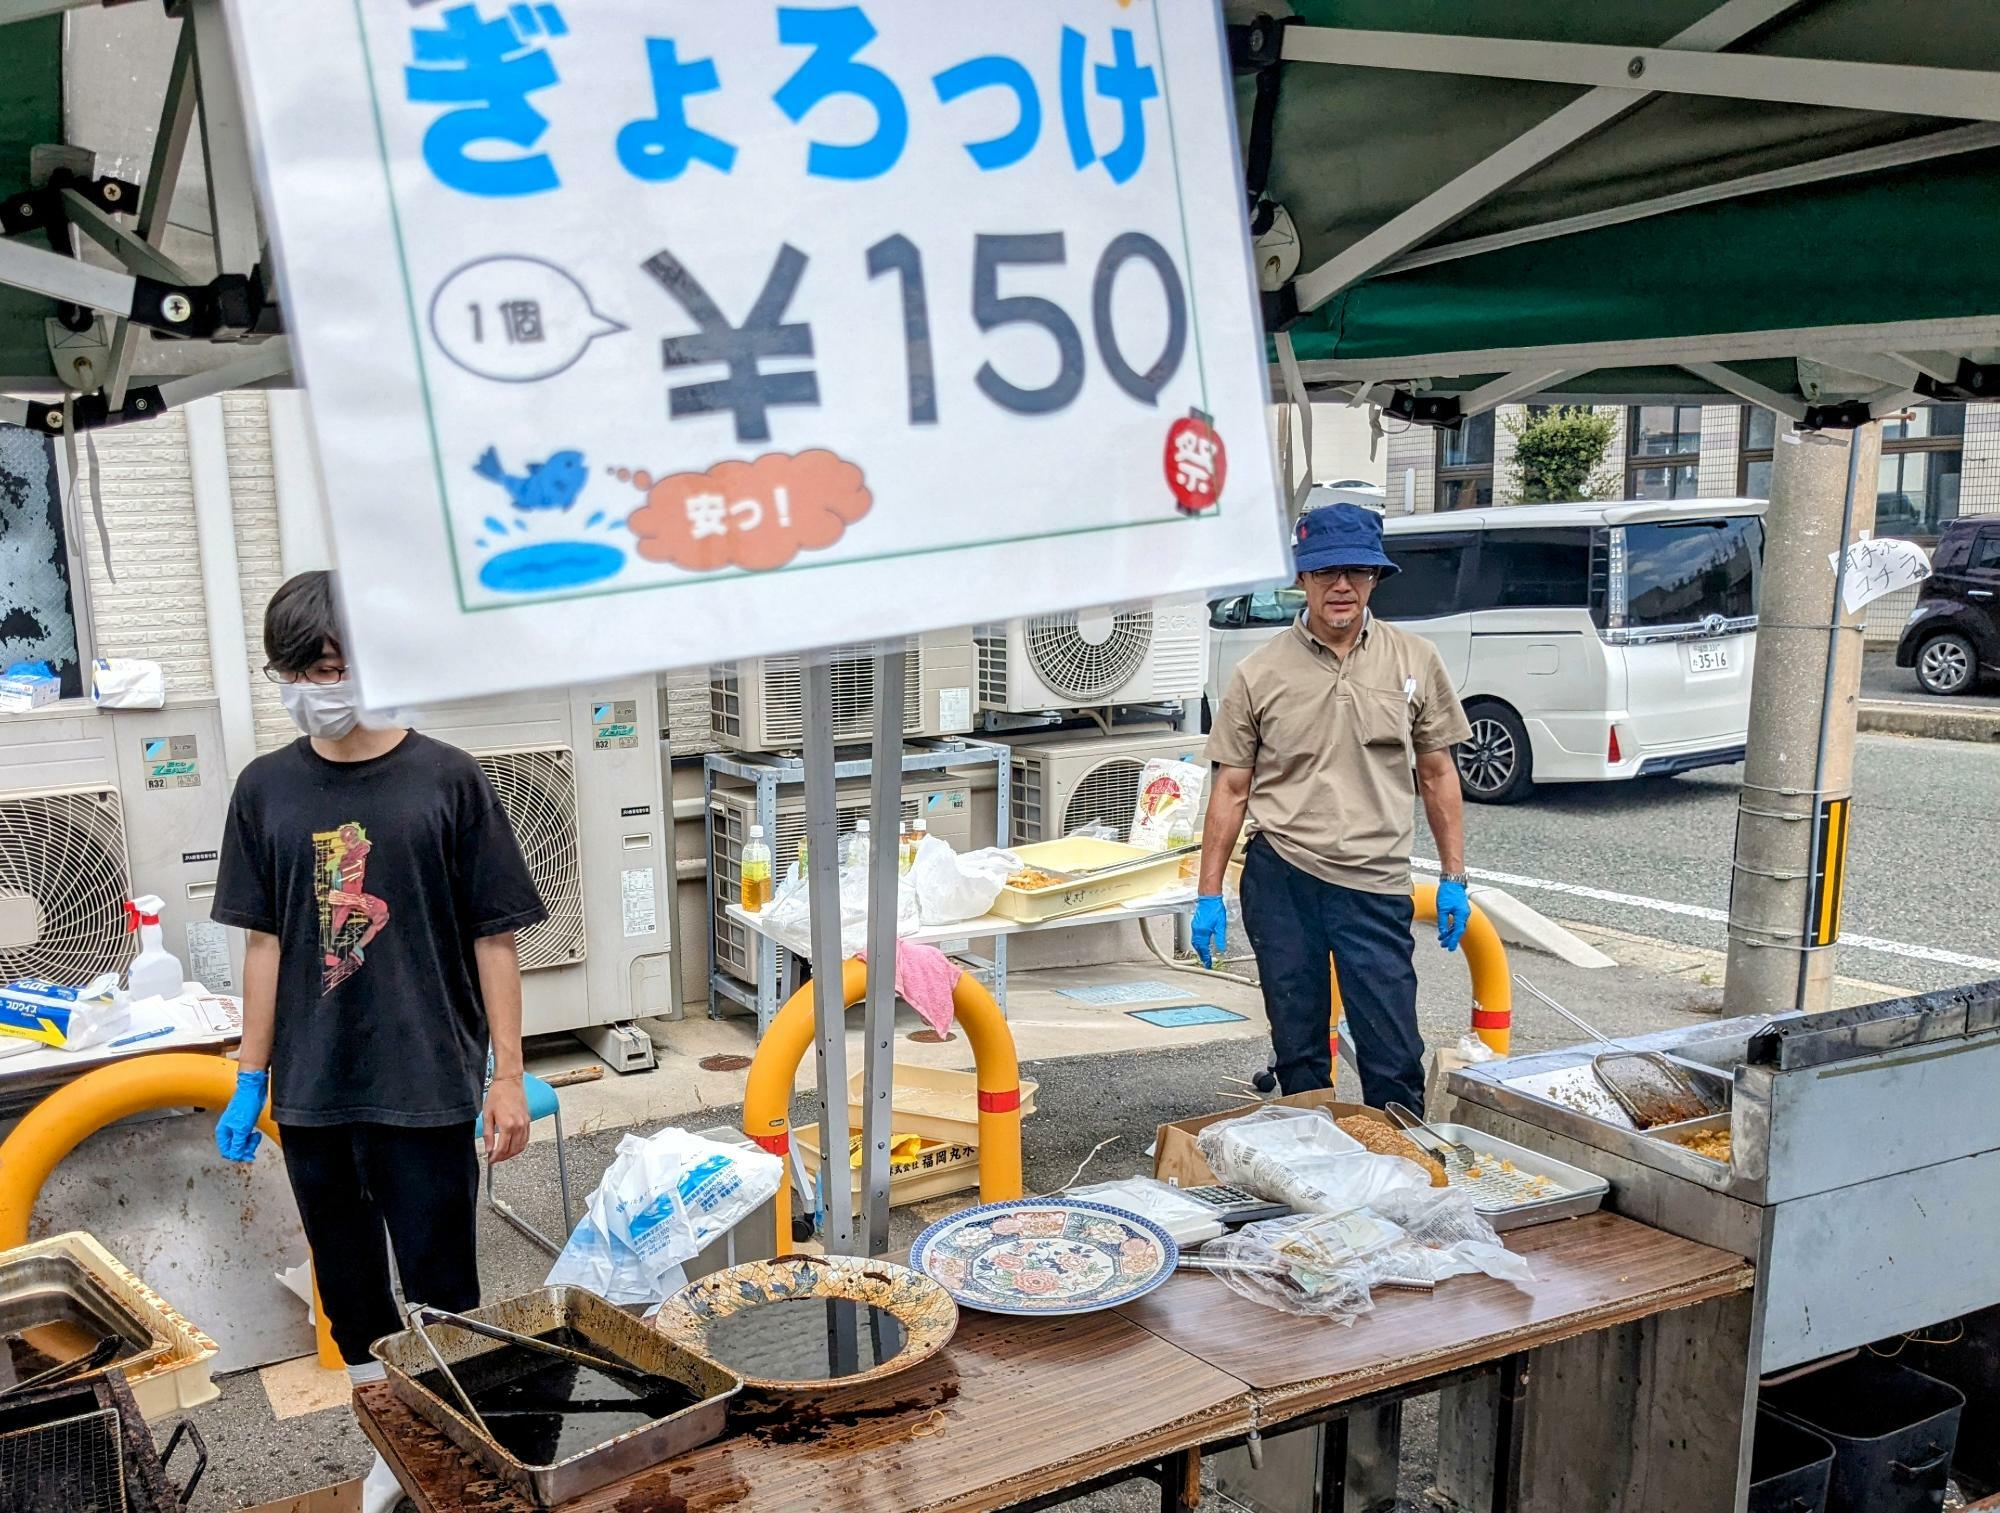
{"points": [[381, 886]]}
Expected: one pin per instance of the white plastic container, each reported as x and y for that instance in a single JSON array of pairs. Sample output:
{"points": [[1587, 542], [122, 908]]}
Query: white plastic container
{"points": [[155, 971]]}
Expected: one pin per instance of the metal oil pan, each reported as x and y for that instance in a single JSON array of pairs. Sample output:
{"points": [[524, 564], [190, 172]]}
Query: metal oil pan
{"points": [[42, 1289], [604, 1325]]}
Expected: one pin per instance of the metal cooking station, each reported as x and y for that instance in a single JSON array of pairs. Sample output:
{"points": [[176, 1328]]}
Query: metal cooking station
{"points": [[1862, 1179]]}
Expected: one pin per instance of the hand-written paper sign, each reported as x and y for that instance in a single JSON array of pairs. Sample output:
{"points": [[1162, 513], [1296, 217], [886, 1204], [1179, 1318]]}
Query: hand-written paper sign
{"points": [[1877, 568], [618, 318]]}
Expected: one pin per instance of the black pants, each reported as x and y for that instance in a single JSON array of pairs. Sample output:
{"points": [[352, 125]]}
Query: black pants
{"points": [[1294, 920], [354, 1180]]}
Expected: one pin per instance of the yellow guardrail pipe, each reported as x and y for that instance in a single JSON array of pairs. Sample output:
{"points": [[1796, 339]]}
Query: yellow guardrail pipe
{"points": [[1485, 957], [767, 1096], [70, 1115]]}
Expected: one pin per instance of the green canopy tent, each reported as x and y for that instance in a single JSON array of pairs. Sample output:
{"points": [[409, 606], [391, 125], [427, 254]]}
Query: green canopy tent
{"points": [[1525, 198]]}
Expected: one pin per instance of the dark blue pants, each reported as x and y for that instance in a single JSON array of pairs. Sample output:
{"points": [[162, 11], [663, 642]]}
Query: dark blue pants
{"points": [[1294, 920]]}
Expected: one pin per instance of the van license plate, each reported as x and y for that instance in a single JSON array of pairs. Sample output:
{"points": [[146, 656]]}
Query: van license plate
{"points": [[1708, 659]]}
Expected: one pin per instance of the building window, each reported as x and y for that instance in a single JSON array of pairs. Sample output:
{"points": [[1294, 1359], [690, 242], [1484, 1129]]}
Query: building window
{"points": [[1465, 464], [1757, 440], [37, 609], [1662, 451], [1916, 488]]}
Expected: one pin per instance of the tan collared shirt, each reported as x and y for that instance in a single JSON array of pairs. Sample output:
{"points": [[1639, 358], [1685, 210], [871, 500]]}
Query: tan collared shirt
{"points": [[1330, 743]]}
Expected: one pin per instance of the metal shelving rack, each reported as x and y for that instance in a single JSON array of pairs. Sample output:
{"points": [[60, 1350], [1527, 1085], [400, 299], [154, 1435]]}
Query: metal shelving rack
{"points": [[777, 971]]}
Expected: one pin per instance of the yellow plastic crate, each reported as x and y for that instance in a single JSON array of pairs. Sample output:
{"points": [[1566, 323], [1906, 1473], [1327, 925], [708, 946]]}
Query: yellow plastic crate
{"points": [[1081, 854], [941, 1168], [934, 1103]]}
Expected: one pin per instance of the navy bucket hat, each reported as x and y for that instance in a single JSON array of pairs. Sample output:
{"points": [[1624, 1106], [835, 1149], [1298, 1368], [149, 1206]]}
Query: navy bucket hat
{"points": [[1340, 535]]}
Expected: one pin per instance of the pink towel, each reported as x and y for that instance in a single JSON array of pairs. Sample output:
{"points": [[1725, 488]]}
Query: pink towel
{"points": [[926, 979]]}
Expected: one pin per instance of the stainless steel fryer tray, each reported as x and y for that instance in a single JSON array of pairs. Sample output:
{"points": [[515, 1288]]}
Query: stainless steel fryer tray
{"points": [[1582, 1192], [604, 1325]]}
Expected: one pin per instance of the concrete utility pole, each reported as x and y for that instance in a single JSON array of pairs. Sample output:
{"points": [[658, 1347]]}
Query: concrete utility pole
{"points": [[1791, 819]]}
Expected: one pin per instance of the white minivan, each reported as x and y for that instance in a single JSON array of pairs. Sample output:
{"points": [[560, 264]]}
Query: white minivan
{"points": [[1588, 642]]}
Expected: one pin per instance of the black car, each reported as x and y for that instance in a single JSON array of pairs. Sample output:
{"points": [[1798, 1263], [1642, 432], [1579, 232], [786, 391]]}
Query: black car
{"points": [[1954, 632]]}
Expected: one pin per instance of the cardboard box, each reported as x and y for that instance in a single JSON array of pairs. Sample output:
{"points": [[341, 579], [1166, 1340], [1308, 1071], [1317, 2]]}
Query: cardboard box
{"points": [[23, 691], [1176, 1157], [343, 1498]]}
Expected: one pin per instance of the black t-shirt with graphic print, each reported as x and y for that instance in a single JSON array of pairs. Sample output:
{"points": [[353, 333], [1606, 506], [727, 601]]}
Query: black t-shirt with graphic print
{"points": [[376, 877]]}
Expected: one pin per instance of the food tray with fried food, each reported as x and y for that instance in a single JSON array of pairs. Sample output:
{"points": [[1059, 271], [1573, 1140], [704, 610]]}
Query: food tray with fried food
{"points": [[1514, 1187], [1080, 873], [1707, 1138]]}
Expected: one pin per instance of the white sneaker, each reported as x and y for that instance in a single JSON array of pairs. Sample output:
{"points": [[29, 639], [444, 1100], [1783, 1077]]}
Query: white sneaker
{"points": [[380, 1491]]}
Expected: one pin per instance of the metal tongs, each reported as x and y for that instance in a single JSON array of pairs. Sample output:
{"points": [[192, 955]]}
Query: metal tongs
{"points": [[1661, 1093], [525, 1341], [1410, 1122], [96, 1358]]}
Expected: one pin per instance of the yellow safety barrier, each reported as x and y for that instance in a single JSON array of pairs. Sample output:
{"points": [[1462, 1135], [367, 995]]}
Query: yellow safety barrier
{"points": [[1485, 957], [70, 1115], [767, 1096]]}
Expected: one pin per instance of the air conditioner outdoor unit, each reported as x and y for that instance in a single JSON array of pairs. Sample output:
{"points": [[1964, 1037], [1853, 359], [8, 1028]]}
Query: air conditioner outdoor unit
{"points": [[1154, 653], [95, 806], [759, 705], [945, 804], [578, 772], [1061, 785]]}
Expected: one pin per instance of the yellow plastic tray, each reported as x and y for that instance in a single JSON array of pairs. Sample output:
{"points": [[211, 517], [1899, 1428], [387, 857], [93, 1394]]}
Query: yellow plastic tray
{"points": [[934, 1103], [1079, 854]]}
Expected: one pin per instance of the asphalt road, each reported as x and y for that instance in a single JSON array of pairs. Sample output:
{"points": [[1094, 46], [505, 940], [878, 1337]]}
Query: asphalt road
{"points": [[1925, 830]]}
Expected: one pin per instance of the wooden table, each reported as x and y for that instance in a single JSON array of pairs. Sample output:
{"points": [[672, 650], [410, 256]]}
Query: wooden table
{"points": [[1015, 1410], [1010, 1410]]}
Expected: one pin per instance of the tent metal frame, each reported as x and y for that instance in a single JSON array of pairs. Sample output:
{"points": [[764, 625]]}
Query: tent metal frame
{"points": [[1900, 358], [149, 289]]}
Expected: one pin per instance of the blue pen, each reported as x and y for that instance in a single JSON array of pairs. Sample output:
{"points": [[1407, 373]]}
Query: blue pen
{"points": [[165, 1029]]}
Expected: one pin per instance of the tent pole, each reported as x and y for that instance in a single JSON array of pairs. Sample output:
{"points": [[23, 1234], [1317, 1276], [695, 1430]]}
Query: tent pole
{"points": [[879, 1016], [1784, 904], [836, 1200]]}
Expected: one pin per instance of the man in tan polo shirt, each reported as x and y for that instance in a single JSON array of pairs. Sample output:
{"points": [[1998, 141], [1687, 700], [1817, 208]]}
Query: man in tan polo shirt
{"points": [[1316, 739]]}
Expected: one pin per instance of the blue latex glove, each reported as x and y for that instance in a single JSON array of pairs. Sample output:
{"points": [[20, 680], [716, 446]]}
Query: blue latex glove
{"points": [[236, 1133], [1211, 928], [1454, 914]]}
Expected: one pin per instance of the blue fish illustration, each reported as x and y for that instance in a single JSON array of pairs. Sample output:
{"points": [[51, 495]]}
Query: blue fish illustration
{"points": [[551, 485]]}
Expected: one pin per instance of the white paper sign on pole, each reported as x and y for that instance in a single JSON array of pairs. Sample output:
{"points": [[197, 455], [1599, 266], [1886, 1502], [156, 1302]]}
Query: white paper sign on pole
{"points": [[639, 335], [1877, 568]]}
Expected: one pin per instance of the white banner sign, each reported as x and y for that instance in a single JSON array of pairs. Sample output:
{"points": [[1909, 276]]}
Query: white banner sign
{"points": [[638, 335]]}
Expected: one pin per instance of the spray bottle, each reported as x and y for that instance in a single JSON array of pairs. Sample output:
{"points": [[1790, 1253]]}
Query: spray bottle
{"points": [[156, 971]]}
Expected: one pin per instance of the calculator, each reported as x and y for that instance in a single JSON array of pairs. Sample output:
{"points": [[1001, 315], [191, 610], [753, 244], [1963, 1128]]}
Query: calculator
{"points": [[1233, 1205]]}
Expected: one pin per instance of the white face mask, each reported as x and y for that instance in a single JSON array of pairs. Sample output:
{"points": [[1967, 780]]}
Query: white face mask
{"points": [[329, 711], [325, 710]]}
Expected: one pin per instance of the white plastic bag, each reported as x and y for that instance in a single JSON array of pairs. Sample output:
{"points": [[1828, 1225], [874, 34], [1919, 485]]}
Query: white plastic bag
{"points": [[1169, 794], [950, 887], [663, 1199], [127, 683], [1301, 1157], [789, 915]]}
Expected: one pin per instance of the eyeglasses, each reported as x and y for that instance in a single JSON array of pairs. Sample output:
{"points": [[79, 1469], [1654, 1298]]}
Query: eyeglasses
{"points": [[322, 673], [1354, 576]]}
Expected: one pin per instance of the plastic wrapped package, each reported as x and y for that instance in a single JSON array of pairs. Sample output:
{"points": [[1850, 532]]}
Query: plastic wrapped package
{"points": [[1169, 792], [1189, 1222], [789, 915], [1328, 1265], [1300, 1157], [664, 1198]]}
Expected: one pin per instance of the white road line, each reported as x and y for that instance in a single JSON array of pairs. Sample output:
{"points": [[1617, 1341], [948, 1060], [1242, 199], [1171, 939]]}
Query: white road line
{"points": [[1714, 916]]}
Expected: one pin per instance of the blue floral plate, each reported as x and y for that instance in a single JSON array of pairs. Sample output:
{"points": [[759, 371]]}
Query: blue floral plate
{"points": [[1045, 1256]]}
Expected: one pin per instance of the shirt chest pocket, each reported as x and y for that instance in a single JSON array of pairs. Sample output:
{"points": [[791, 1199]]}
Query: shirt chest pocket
{"points": [[1381, 718]]}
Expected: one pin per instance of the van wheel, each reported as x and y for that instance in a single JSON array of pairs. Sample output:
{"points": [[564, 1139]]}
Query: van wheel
{"points": [[1495, 763], [1946, 664]]}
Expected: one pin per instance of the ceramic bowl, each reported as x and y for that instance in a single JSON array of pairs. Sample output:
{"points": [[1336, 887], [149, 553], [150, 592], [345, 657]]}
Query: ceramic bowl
{"points": [[924, 1309]]}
